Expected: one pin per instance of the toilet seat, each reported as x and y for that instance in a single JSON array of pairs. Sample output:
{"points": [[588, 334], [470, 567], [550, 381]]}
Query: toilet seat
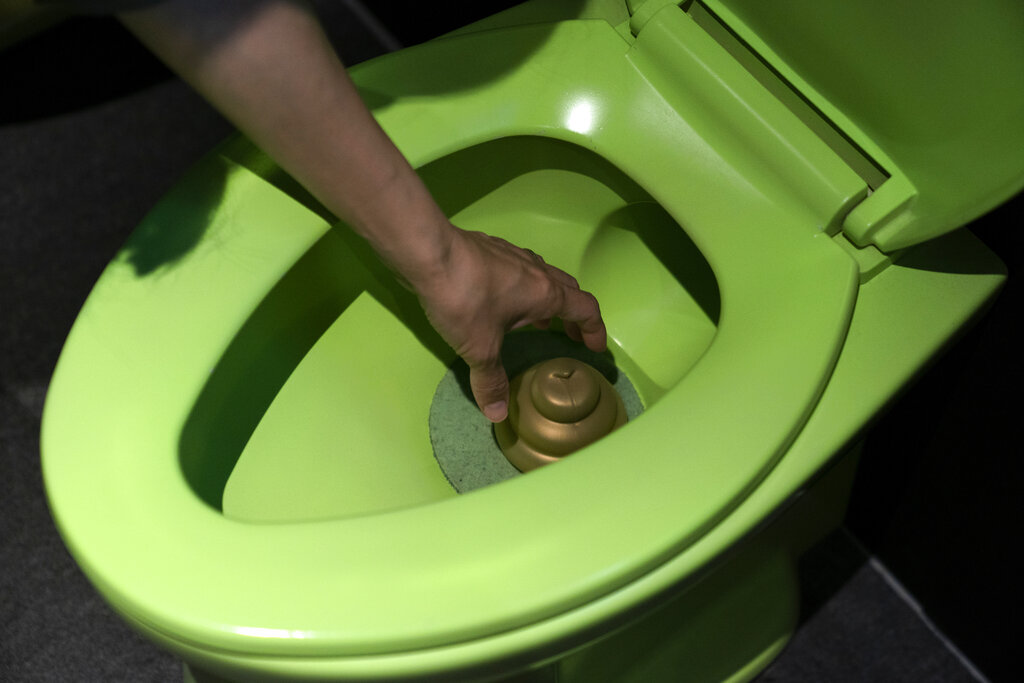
{"points": [[438, 574]]}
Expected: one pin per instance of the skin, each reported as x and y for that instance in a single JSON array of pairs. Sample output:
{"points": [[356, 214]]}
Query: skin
{"points": [[268, 67]]}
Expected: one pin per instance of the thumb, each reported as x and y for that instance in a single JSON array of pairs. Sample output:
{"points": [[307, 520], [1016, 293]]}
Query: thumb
{"points": [[490, 388]]}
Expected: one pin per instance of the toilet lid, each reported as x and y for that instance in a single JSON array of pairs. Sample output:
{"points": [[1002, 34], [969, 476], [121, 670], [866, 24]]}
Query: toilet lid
{"points": [[932, 91]]}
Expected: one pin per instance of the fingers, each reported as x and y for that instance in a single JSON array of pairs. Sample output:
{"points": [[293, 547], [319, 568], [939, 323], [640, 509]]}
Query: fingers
{"points": [[556, 274], [490, 388], [582, 317], [561, 277], [579, 310], [490, 286]]}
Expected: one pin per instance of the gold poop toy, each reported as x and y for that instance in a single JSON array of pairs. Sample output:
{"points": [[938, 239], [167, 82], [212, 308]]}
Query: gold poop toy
{"points": [[557, 407]]}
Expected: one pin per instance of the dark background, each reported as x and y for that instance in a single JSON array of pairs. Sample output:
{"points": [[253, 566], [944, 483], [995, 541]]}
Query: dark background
{"points": [[93, 131]]}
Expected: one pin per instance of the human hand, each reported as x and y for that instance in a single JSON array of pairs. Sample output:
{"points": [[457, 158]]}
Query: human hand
{"points": [[270, 69], [487, 287]]}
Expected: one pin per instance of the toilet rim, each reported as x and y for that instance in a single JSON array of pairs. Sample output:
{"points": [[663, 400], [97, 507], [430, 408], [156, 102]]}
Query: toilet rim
{"points": [[445, 572]]}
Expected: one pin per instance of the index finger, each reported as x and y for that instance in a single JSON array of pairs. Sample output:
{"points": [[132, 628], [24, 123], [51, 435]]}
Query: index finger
{"points": [[581, 308]]}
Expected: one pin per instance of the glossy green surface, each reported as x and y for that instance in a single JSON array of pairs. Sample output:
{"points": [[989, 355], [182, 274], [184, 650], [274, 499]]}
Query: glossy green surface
{"points": [[235, 441], [933, 91], [671, 478]]}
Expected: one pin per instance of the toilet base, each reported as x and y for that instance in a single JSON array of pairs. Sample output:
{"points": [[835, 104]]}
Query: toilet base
{"points": [[726, 629], [734, 619], [725, 626]]}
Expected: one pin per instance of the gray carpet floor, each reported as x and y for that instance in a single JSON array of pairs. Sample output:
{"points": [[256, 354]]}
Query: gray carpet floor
{"points": [[78, 170]]}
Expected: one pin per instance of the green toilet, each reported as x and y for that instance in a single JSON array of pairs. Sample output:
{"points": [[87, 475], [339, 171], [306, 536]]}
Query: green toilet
{"points": [[763, 196]]}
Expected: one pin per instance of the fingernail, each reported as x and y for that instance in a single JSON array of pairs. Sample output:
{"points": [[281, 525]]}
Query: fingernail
{"points": [[496, 412]]}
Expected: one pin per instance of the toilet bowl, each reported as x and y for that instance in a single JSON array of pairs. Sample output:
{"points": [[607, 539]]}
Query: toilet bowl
{"points": [[235, 442]]}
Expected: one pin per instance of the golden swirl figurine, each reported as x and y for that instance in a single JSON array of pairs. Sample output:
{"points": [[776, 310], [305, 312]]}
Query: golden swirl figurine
{"points": [[557, 406]]}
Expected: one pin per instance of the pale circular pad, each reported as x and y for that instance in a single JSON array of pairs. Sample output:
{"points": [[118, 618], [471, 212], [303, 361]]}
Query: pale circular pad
{"points": [[463, 439]]}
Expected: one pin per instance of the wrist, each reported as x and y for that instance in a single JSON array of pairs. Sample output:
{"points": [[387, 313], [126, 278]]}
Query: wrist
{"points": [[423, 258], [409, 232], [390, 207]]}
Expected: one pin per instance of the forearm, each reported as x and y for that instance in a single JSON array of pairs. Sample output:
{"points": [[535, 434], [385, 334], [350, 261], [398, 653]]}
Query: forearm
{"points": [[268, 67]]}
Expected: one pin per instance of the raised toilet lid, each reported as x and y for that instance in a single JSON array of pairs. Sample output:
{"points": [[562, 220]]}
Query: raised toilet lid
{"points": [[931, 92], [474, 566]]}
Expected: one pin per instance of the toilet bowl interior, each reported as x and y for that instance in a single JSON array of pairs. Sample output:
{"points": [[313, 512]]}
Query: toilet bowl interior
{"points": [[329, 418]]}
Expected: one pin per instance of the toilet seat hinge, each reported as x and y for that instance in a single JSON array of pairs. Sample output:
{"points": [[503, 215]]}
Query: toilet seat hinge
{"points": [[748, 113], [876, 217], [640, 11]]}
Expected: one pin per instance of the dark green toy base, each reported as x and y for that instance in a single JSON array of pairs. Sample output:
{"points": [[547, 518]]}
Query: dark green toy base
{"points": [[463, 439]]}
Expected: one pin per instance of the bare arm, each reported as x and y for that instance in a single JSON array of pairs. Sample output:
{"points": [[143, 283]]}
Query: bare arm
{"points": [[268, 67]]}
